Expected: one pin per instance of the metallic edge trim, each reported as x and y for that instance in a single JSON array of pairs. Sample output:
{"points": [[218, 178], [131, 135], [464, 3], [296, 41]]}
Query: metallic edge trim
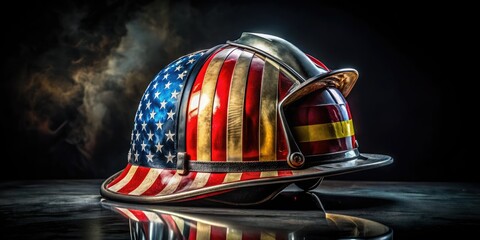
{"points": [[334, 78], [345, 89], [298, 77], [283, 50]]}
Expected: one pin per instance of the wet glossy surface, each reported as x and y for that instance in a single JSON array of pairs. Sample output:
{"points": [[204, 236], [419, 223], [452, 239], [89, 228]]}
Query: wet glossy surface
{"points": [[71, 209], [160, 222]]}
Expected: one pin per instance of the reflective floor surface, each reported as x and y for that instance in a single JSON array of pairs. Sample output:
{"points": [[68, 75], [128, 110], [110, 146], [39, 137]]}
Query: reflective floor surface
{"points": [[73, 209]]}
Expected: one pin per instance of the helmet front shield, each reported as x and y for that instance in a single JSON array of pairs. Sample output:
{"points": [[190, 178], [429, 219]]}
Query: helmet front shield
{"points": [[343, 80]]}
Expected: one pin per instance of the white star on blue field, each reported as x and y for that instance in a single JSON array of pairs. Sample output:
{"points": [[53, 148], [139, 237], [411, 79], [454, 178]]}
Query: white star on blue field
{"points": [[153, 137]]}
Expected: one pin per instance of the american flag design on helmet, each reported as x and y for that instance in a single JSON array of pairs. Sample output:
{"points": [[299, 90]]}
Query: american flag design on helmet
{"points": [[153, 137], [214, 120]]}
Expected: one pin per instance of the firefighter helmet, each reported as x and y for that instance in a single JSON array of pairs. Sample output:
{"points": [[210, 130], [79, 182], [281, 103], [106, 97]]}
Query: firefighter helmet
{"points": [[255, 113]]}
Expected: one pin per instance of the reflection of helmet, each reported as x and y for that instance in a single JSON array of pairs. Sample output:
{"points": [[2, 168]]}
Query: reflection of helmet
{"points": [[255, 112], [160, 222]]}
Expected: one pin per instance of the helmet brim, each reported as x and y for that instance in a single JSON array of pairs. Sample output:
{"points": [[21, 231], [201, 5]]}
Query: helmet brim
{"points": [[343, 79], [170, 193]]}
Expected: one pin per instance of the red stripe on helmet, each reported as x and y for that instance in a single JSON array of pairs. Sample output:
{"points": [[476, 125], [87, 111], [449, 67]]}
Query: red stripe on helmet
{"points": [[250, 175], [308, 115], [310, 110], [186, 182], [285, 173], [251, 112], [192, 111], [121, 176], [284, 84], [160, 183], [220, 107], [215, 179], [354, 141], [137, 179], [325, 146], [318, 63], [282, 147]]}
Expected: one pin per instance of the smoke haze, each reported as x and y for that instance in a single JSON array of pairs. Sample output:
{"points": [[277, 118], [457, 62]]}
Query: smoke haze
{"points": [[83, 92], [73, 73]]}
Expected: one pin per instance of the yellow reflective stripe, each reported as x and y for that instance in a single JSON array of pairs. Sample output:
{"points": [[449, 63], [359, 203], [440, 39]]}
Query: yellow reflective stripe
{"points": [[268, 112], [235, 107], [324, 131], [205, 110]]}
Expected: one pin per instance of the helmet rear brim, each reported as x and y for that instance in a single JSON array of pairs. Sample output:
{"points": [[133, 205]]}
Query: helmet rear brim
{"points": [[191, 191]]}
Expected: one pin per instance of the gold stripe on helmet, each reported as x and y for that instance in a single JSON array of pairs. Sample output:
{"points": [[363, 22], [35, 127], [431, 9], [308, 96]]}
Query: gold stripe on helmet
{"points": [[268, 112], [205, 108], [149, 180], [268, 115], [324, 131], [235, 107]]}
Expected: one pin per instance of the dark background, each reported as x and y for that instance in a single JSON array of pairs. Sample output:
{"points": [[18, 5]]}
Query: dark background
{"points": [[74, 71]]}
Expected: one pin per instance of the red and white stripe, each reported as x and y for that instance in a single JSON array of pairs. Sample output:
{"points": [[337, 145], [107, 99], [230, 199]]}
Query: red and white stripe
{"points": [[144, 181]]}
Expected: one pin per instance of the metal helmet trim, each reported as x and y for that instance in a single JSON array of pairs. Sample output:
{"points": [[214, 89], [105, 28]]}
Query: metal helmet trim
{"points": [[295, 61]]}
